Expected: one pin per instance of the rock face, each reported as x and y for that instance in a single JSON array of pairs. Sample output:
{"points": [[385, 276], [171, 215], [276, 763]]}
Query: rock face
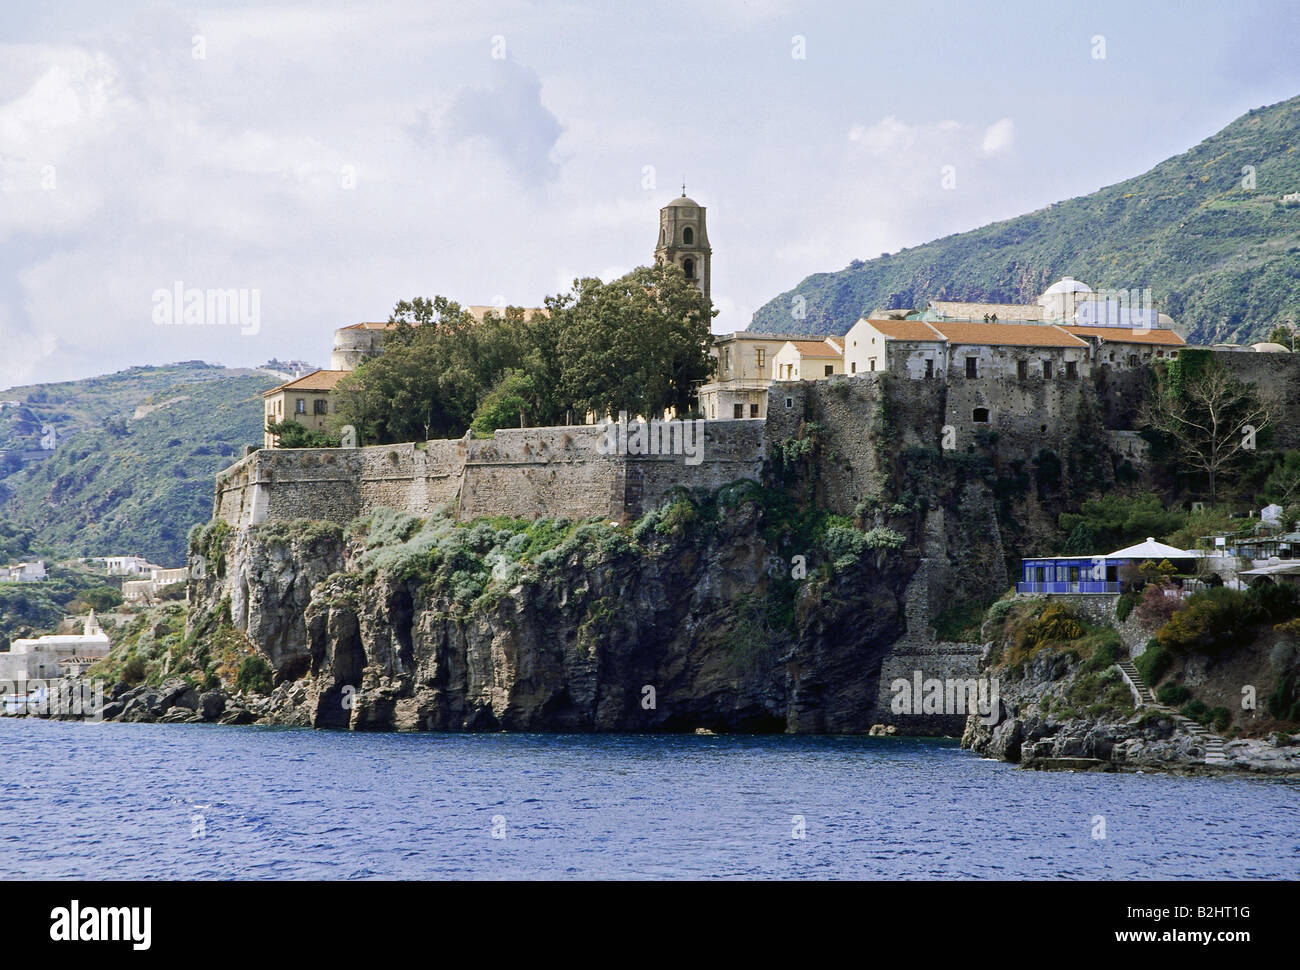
{"points": [[673, 635], [1143, 742]]}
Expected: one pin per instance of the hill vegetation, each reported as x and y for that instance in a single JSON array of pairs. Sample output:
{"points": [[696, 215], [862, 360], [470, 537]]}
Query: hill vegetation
{"points": [[1206, 231], [134, 460]]}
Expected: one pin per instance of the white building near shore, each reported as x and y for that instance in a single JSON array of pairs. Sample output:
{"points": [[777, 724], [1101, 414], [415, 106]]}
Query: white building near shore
{"points": [[44, 658]]}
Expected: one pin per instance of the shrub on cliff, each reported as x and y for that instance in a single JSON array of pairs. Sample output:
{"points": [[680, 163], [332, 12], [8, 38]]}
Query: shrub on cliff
{"points": [[1154, 663], [1155, 608], [254, 675], [1173, 694], [1212, 621]]}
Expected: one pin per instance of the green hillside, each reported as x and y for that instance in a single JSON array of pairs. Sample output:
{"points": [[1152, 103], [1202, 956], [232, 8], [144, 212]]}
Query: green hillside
{"points": [[1221, 258], [134, 461]]}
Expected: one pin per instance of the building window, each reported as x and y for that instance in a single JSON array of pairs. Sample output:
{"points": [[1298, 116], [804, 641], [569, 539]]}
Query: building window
{"points": [[872, 362], [688, 236], [980, 416], [1022, 369], [972, 367], [830, 369], [1071, 369], [929, 367], [713, 410], [789, 403], [760, 357], [726, 359], [1132, 360], [853, 367], [1112, 356], [1047, 370], [301, 406], [753, 410], [688, 267], [321, 406]]}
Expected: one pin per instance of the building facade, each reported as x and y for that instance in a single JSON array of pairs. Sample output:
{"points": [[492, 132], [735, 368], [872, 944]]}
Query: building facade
{"points": [[743, 367], [306, 401]]}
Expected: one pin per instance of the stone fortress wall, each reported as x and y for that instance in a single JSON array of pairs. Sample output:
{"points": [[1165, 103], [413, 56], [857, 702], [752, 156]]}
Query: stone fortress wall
{"points": [[871, 420], [520, 472]]}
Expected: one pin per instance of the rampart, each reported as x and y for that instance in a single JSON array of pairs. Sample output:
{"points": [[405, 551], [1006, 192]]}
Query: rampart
{"points": [[519, 472], [872, 423]]}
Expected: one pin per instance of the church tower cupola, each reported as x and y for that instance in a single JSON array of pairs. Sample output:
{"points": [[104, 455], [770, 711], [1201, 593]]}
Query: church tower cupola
{"points": [[684, 240]]}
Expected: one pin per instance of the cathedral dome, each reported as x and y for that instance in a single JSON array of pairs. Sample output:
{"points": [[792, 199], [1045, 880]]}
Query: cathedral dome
{"points": [[683, 200], [1067, 284]]}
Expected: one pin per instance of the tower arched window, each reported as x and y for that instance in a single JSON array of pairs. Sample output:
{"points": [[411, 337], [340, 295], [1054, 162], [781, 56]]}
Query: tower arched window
{"points": [[688, 267], [688, 236]]}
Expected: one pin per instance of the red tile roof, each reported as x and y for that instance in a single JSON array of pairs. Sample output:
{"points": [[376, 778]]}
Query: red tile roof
{"points": [[905, 329], [317, 380], [1124, 335], [815, 348], [1007, 334]]}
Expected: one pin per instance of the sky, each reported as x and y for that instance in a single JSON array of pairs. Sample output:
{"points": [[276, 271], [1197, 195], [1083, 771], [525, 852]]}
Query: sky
{"points": [[322, 161]]}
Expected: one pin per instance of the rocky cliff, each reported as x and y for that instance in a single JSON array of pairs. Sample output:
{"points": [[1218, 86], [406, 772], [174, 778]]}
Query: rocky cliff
{"points": [[1064, 704], [695, 618]]}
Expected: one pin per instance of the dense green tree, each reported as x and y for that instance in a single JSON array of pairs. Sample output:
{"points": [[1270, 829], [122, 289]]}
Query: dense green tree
{"points": [[508, 405], [291, 434], [637, 344], [1109, 522]]}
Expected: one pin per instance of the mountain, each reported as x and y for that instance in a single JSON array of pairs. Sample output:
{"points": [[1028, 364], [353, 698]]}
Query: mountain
{"points": [[133, 459], [1221, 257]]}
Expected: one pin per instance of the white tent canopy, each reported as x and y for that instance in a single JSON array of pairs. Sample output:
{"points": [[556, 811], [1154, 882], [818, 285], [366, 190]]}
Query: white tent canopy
{"points": [[1151, 550]]}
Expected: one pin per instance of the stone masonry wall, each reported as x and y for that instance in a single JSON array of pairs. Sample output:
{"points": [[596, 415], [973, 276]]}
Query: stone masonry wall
{"points": [[520, 472]]}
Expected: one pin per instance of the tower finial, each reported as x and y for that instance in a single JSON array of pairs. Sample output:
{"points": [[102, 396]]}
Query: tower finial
{"points": [[683, 186]]}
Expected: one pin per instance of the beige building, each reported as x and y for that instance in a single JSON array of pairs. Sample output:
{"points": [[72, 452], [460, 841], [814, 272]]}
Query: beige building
{"points": [[305, 400], [743, 365], [147, 590], [809, 360]]}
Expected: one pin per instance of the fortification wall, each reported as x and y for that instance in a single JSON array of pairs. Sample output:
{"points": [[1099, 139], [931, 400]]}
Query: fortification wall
{"points": [[520, 472], [1277, 375]]}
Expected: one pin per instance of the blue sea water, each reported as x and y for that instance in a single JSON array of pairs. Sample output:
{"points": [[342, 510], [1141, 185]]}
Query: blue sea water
{"points": [[139, 801]]}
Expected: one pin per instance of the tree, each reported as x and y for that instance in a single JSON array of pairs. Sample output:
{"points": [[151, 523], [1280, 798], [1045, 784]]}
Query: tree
{"points": [[637, 344], [1210, 421], [1283, 485], [291, 434], [508, 405], [1283, 334], [425, 385]]}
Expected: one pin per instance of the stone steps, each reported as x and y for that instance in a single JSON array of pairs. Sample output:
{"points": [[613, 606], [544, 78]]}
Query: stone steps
{"points": [[1212, 744]]}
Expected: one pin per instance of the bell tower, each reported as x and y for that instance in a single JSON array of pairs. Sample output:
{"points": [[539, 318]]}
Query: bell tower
{"points": [[684, 240]]}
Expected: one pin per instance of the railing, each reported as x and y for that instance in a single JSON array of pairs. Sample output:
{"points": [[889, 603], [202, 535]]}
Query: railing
{"points": [[1078, 587]]}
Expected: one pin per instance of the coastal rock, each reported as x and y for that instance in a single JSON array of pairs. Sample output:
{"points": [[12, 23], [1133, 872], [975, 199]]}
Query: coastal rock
{"points": [[211, 705], [578, 644]]}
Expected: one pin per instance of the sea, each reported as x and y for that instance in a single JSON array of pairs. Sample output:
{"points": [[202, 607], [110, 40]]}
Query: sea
{"points": [[147, 801]]}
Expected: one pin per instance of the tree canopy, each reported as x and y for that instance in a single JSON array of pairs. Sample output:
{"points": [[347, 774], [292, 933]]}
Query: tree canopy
{"points": [[637, 344]]}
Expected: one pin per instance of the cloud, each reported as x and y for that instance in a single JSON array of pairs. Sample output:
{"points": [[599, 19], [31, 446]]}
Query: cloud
{"points": [[509, 117], [999, 137]]}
